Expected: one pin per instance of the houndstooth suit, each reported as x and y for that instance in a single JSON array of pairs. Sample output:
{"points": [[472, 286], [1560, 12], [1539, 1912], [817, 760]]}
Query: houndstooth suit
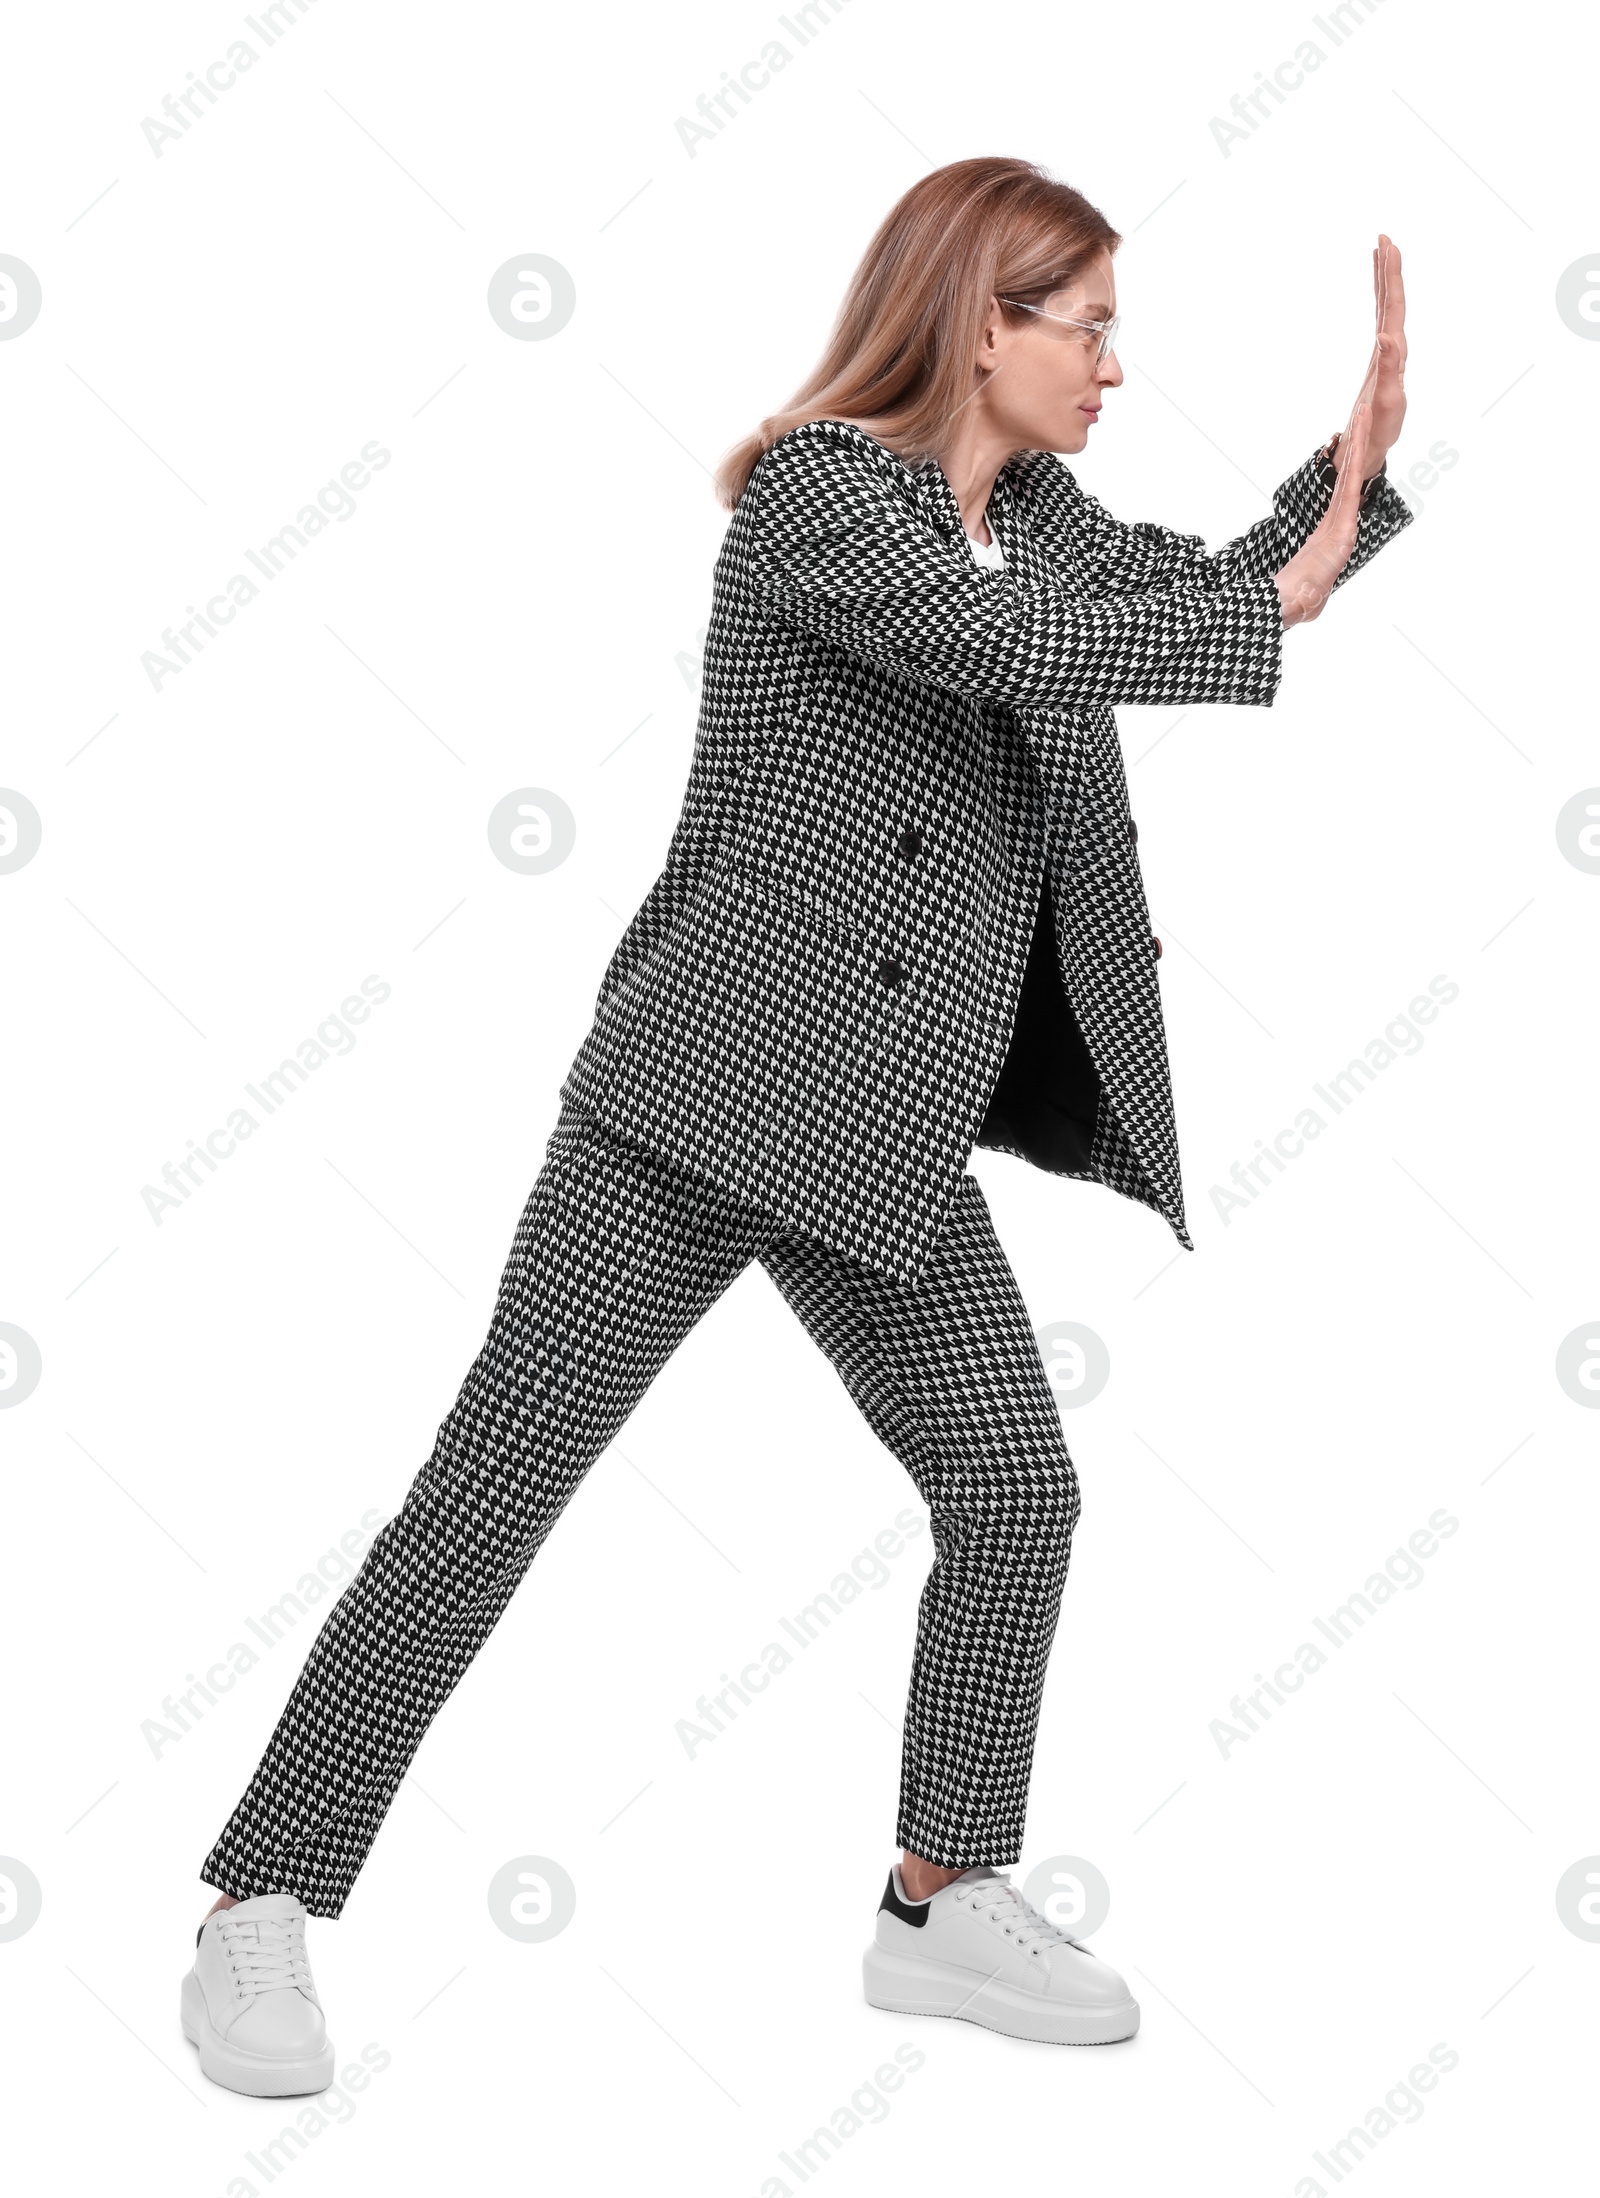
{"points": [[906, 767], [900, 914]]}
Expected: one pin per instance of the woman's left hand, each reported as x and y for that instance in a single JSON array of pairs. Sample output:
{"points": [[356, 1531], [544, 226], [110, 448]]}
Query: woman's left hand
{"points": [[1384, 387]]}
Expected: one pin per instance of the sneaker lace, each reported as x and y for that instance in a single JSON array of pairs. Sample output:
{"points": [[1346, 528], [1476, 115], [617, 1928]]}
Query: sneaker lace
{"points": [[267, 1955], [997, 1899]]}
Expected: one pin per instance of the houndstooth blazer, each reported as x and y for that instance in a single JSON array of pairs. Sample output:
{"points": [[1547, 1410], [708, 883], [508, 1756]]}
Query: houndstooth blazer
{"points": [[901, 913]]}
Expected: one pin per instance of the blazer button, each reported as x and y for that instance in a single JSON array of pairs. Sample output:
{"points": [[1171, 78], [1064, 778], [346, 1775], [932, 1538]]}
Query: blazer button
{"points": [[891, 972], [1158, 946], [1133, 831], [911, 841]]}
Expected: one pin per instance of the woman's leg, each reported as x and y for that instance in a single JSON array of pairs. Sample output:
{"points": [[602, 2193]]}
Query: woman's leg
{"points": [[616, 1256], [949, 1376]]}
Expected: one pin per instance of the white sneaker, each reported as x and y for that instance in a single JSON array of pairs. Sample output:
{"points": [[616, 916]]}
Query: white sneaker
{"points": [[976, 1949], [249, 2003]]}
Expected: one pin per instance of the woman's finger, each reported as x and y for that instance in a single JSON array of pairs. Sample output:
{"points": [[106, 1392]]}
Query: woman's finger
{"points": [[1391, 301], [1380, 271], [1395, 293]]}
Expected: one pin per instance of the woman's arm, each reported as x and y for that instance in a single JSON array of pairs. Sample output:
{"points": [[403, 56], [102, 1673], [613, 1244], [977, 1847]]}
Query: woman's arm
{"points": [[837, 549], [1117, 557]]}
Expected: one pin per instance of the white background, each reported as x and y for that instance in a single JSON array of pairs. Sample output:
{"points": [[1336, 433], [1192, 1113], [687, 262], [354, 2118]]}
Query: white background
{"points": [[1372, 1339]]}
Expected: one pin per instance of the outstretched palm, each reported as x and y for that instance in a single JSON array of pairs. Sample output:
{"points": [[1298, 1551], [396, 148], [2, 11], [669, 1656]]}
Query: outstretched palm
{"points": [[1306, 581], [1385, 385]]}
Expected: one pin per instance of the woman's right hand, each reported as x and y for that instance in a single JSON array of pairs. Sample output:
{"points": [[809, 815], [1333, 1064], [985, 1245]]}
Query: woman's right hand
{"points": [[1306, 581]]}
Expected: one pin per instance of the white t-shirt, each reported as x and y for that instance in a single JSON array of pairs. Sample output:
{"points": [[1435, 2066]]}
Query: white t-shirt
{"points": [[988, 553]]}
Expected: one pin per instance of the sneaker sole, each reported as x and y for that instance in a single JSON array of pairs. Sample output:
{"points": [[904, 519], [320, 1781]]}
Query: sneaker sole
{"points": [[909, 1985], [253, 2073]]}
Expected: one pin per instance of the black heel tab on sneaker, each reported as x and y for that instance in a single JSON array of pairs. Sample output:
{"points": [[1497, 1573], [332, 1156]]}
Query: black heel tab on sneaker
{"points": [[913, 1912]]}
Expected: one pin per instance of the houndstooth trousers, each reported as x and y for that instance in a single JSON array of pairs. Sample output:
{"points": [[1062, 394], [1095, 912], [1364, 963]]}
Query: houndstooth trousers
{"points": [[618, 1253]]}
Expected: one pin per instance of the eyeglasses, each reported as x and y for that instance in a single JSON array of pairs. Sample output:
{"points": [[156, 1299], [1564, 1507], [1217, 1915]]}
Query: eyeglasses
{"points": [[1105, 330]]}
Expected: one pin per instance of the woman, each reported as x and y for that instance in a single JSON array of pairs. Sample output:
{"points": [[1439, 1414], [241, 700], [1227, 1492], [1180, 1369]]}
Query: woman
{"points": [[900, 915]]}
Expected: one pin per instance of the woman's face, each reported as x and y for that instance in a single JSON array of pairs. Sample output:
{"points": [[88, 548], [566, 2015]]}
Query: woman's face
{"points": [[1042, 382]]}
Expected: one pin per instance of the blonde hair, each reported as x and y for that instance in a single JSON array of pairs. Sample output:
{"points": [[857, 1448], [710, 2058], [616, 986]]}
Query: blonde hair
{"points": [[899, 359]]}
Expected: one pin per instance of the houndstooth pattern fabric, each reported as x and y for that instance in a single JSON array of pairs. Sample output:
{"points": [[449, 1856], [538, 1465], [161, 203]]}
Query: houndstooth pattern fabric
{"points": [[896, 747], [615, 1258]]}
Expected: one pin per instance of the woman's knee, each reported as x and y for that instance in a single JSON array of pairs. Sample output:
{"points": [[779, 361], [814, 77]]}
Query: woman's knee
{"points": [[1055, 1500], [1031, 1503]]}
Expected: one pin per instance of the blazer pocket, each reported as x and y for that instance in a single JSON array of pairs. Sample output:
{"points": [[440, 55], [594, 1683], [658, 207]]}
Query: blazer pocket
{"points": [[770, 1011], [779, 884]]}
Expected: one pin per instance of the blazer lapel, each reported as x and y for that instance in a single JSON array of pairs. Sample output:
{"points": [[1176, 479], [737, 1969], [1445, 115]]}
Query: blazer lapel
{"points": [[938, 498], [938, 501]]}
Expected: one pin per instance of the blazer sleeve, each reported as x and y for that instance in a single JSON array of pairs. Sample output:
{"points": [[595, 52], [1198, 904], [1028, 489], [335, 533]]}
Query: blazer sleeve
{"points": [[1120, 558], [838, 550]]}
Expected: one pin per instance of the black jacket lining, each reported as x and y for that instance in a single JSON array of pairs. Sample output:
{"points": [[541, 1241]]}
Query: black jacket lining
{"points": [[1046, 1098]]}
